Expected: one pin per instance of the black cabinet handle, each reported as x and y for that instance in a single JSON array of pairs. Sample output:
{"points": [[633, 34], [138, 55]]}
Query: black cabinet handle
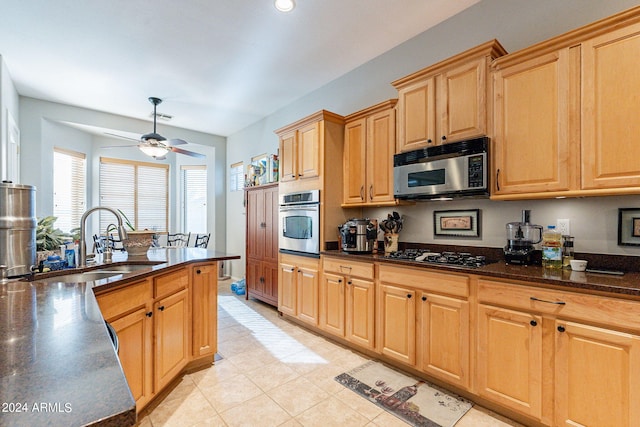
{"points": [[408, 295], [498, 179], [293, 175], [444, 138], [561, 328], [161, 308], [533, 323], [429, 141], [362, 192], [349, 282], [149, 314], [424, 298], [371, 192], [548, 302], [198, 271]]}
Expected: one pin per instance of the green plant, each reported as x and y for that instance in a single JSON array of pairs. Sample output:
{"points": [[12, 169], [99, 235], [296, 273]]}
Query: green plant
{"points": [[126, 221], [47, 237]]}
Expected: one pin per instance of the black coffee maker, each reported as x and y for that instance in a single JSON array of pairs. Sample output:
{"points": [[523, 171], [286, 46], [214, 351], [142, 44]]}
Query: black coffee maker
{"points": [[521, 238]]}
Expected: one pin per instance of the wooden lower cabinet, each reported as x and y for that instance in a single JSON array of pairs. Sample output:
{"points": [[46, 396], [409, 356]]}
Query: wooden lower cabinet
{"points": [[509, 366], [163, 323], [171, 332], [298, 283], [596, 372], [204, 306], [347, 301], [397, 323], [443, 331]]}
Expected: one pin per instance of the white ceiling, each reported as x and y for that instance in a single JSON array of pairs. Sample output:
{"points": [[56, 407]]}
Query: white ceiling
{"points": [[219, 65]]}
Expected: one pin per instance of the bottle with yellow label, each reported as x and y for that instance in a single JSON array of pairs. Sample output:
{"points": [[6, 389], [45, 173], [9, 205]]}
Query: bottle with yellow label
{"points": [[551, 248]]}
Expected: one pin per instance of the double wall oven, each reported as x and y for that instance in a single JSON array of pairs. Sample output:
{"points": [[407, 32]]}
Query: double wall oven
{"points": [[299, 223]]}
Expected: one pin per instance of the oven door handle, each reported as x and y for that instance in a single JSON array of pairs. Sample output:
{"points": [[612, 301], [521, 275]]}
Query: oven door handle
{"points": [[299, 208]]}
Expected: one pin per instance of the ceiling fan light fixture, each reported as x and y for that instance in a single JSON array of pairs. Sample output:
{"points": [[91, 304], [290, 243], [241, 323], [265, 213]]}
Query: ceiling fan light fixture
{"points": [[285, 5], [154, 151]]}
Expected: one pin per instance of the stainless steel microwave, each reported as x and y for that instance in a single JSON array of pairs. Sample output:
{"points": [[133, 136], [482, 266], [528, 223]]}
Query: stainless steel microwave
{"points": [[458, 169]]}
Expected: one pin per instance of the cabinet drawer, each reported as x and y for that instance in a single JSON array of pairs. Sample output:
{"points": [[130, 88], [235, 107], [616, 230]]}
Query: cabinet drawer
{"points": [[349, 268], [124, 300], [588, 308], [170, 283], [444, 283]]}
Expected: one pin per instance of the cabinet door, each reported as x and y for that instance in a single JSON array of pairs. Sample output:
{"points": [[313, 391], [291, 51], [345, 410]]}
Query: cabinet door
{"points": [[332, 308], [307, 282], [417, 115], [596, 376], [397, 314], [256, 224], [355, 173], [610, 110], [360, 312], [254, 279], [444, 338], [509, 362], [135, 336], [204, 303], [381, 137], [288, 157], [271, 204], [270, 280], [287, 289], [462, 101], [309, 151], [172, 336], [533, 149]]}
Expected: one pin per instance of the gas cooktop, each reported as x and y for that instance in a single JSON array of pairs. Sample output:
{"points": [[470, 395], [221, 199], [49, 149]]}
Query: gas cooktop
{"points": [[460, 259]]}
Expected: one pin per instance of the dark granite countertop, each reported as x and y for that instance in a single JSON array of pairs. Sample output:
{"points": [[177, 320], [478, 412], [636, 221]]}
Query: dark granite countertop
{"points": [[57, 363], [627, 285]]}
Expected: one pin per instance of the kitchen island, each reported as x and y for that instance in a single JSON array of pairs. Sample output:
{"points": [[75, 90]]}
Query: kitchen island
{"points": [[59, 366]]}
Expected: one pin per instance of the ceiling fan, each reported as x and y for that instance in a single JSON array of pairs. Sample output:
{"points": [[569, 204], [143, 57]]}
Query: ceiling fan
{"points": [[153, 144]]}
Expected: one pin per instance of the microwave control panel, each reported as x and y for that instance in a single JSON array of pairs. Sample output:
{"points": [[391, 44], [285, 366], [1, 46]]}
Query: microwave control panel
{"points": [[476, 171]]}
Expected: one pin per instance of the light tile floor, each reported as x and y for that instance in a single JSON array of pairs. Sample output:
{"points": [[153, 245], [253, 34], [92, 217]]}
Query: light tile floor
{"points": [[274, 373]]}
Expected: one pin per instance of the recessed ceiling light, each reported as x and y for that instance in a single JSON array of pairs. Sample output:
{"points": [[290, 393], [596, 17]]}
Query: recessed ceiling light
{"points": [[285, 5]]}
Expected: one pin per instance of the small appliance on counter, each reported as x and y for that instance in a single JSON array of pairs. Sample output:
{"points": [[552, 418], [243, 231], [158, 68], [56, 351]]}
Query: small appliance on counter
{"points": [[521, 238], [358, 235]]}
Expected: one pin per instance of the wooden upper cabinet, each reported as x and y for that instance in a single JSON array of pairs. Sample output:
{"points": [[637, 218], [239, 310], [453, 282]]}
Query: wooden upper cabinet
{"points": [[446, 102], [565, 114], [610, 110], [288, 157], [369, 145], [532, 146], [300, 154]]}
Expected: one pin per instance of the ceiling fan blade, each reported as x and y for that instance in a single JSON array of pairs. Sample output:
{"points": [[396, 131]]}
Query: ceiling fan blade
{"points": [[177, 141], [120, 136], [188, 153], [120, 146]]}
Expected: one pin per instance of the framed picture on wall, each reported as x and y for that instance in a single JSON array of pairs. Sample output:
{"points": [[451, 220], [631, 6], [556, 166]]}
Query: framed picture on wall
{"points": [[460, 223], [629, 227]]}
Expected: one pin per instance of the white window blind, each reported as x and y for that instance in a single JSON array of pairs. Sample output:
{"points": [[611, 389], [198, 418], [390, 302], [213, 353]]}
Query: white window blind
{"points": [[139, 190], [69, 188], [236, 177], [194, 199]]}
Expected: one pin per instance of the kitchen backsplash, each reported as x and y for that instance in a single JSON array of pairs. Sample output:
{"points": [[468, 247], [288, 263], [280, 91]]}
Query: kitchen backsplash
{"points": [[593, 221]]}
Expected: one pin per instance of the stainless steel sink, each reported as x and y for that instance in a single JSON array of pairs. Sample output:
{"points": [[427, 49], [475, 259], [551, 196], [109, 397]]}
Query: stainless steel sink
{"points": [[102, 273], [87, 276]]}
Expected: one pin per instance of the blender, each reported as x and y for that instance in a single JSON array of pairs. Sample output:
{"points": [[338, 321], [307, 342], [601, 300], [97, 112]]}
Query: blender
{"points": [[521, 238]]}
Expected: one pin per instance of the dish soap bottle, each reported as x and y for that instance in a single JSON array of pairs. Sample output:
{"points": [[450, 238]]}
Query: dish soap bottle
{"points": [[551, 248]]}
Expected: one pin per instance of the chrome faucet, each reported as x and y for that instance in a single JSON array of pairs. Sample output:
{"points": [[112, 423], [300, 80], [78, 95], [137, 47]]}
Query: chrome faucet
{"points": [[122, 233]]}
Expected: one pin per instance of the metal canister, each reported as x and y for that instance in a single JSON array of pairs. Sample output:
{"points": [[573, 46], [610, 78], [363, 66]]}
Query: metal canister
{"points": [[17, 227]]}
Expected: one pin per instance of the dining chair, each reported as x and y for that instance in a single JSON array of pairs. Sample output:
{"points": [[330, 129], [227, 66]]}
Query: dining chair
{"points": [[202, 240], [178, 239]]}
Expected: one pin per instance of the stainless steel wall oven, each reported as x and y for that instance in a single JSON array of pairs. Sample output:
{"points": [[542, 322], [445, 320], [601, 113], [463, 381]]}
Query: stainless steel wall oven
{"points": [[299, 225]]}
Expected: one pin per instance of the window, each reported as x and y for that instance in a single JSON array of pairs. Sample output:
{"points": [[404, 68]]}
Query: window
{"points": [[236, 177], [194, 199], [138, 189], [69, 188]]}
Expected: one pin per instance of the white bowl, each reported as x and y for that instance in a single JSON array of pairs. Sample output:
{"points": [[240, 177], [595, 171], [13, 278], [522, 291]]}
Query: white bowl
{"points": [[578, 265]]}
